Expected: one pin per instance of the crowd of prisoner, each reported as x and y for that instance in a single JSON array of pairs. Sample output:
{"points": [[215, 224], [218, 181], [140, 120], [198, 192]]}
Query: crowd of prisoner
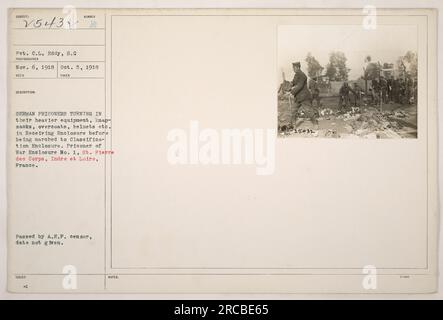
{"points": [[381, 91]]}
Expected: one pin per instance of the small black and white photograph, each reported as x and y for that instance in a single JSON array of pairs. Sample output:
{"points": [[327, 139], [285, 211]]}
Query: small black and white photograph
{"points": [[347, 81]]}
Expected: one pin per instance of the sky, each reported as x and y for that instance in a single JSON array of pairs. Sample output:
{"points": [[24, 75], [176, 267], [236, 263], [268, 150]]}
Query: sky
{"points": [[384, 44]]}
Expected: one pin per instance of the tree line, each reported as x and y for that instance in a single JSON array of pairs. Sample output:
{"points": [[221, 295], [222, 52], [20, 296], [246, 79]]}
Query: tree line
{"points": [[336, 69]]}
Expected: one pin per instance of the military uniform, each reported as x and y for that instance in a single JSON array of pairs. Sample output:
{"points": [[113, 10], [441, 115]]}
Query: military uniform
{"points": [[396, 90], [300, 88], [376, 90], [391, 89], [302, 95], [357, 95], [402, 92], [315, 92], [344, 95], [384, 89]]}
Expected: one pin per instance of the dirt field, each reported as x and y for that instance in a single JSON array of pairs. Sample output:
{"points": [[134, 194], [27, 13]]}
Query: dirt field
{"points": [[392, 120]]}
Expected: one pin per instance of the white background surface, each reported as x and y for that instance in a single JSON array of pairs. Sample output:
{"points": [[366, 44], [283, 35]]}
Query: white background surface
{"points": [[188, 4]]}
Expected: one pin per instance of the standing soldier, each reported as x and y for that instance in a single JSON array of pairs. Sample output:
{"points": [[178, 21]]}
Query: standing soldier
{"points": [[315, 92], [344, 96], [376, 91], [402, 91], [390, 89], [395, 90], [384, 89], [370, 97], [300, 91], [357, 95]]}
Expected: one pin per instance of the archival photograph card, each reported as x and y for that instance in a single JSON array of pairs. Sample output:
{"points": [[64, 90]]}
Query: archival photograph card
{"points": [[222, 150], [348, 81]]}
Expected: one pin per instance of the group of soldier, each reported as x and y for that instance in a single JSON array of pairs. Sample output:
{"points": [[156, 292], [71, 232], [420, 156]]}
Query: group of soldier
{"points": [[400, 90], [307, 93], [382, 90]]}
